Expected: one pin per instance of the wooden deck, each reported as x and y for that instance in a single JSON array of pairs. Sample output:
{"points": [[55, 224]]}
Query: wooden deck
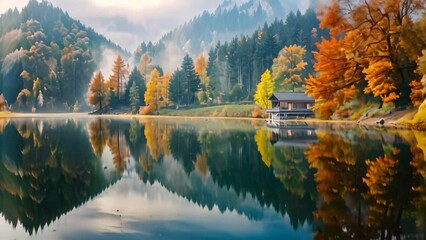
{"points": [[281, 114]]}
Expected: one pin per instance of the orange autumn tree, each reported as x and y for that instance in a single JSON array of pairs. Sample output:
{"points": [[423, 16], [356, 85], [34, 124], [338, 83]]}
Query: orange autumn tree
{"points": [[98, 91], [330, 88], [118, 76], [369, 50]]}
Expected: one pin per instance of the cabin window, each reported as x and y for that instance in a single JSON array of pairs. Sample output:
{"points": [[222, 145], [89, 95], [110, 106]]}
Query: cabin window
{"points": [[283, 105]]}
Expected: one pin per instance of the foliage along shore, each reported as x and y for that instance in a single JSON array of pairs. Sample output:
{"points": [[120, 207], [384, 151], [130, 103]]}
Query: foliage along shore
{"points": [[391, 117]]}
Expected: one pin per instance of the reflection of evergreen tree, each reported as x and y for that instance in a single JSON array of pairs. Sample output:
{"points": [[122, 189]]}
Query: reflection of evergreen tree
{"points": [[184, 146], [136, 138]]}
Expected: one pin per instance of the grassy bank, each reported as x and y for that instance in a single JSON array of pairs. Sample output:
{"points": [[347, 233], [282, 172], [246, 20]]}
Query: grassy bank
{"points": [[233, 110]]}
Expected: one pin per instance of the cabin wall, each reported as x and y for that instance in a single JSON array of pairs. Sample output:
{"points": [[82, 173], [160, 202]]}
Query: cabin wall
{"points": [[291, 105]]}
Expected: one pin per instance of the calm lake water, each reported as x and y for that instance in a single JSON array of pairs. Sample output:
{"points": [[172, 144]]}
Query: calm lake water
{"points": [[208, 179]]}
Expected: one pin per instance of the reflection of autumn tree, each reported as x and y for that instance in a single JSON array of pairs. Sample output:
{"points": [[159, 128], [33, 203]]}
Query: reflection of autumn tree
{"points": [[3, 123], [98, 135], [363, 199], [264, 146], [146, 161], [391, 182], [201, 164], [288, 162], [419, 164], [338, 174], [118, 147], [138, 147], [291, 168], [36, 156], [157, 139], [379, 179]]}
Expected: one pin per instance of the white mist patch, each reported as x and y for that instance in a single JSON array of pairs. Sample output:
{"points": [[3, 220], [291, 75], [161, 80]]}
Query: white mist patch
{"points": [[10, 40], [9, 61], [108, 58], [171, 58]]}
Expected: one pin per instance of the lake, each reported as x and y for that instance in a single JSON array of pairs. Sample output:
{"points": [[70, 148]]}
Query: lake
{"points": [[99, 178]]}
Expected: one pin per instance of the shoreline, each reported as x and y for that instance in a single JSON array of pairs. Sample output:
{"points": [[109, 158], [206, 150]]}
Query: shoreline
{"points": [[390, 121]]}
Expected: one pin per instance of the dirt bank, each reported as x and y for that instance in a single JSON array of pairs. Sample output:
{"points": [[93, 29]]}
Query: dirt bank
{"points": [[391, 119]]}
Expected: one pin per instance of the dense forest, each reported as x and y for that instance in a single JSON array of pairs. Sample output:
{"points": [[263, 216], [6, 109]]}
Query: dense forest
{"points": [[231, 70], [47, 58]]}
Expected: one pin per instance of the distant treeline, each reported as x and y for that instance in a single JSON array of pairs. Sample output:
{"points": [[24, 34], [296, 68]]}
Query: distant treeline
{"points": [[234, 68]]}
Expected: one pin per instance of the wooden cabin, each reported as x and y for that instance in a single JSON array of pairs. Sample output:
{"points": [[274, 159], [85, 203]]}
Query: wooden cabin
{"points": [[289, 105]]}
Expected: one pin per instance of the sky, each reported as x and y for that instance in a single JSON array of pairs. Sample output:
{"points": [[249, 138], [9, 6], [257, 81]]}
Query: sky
{"points": [[129, 22]]}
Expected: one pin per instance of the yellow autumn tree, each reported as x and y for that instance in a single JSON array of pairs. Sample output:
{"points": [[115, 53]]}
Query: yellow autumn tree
{"points": [[264, 90], [163, 86], [98, 91], [418, 95], [152, 94], [200, 66], [288, 66]]}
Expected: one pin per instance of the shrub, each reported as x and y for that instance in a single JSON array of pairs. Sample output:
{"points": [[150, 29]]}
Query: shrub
{"points": [[146, 110], [258, 113]]}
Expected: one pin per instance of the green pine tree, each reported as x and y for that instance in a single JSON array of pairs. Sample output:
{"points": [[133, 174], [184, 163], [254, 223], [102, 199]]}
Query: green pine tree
{"points": [[192, 81], [134, 98], [177, 87]]}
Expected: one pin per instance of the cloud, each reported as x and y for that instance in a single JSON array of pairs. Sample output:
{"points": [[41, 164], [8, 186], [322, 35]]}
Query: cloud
{"points": [[119, 20], [145, 20], [129, 22]]}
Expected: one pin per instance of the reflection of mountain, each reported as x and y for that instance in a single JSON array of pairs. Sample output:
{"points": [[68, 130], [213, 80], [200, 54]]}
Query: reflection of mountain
{"points": [[46, 170]]}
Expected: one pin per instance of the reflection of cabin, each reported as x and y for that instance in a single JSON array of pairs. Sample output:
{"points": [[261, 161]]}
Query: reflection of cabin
{"points": [[295, 135], [287, 105]]}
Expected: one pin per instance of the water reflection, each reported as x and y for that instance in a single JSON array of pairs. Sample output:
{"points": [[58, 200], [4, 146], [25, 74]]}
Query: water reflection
{"points": [[319, 181]]}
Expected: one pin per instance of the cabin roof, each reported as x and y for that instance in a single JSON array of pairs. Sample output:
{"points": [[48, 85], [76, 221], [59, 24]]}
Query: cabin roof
{"points": [[291, 96]]}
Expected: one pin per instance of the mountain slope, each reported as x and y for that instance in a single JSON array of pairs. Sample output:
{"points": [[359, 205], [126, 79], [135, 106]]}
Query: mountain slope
{"points": [[204, 31], [47, 58]]}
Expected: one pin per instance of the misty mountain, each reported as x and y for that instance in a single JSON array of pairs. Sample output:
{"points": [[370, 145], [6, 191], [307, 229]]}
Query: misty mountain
{"points": [[43, 51], [198, 35]]}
